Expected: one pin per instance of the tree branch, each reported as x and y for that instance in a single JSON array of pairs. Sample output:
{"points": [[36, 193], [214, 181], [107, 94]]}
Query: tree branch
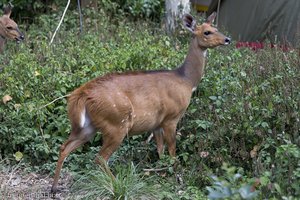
{"points": [[60, 21], [54, 101]]}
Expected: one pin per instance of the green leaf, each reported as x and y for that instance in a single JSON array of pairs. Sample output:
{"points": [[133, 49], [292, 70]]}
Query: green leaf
{"points": [[243, 74], [218, 103], [63, 90], [167, 43], [264, 180], [264, 124], [213, 98], [277, 187], [18, 155]]}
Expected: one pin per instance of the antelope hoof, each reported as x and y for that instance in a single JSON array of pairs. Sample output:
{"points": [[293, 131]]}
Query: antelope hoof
{"points": [[54, 190]]}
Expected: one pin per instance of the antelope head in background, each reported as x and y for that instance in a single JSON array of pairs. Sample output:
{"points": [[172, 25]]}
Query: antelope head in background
{"points": [[9, 28]]}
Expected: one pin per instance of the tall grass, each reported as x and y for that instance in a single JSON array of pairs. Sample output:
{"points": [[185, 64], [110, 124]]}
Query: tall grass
{"points": [[127, 184]]}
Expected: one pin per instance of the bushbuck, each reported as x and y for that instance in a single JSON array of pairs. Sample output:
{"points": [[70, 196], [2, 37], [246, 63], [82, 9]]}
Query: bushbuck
{"points": [[125, 104], [8, 28]]}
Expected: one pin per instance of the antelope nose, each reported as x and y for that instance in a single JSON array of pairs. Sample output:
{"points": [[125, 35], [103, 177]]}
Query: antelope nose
{"points": [[227, 40]]}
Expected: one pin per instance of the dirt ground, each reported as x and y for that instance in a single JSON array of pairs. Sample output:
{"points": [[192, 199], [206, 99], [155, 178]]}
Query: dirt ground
{"points": [[17, 184]]}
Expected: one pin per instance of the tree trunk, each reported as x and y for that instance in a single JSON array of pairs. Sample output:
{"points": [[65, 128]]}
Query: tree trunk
{"points": [[175, 9]]}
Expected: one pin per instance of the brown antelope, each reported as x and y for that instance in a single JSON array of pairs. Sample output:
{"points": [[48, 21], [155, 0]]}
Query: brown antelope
{"points": [[125, 104], [8, 28]]}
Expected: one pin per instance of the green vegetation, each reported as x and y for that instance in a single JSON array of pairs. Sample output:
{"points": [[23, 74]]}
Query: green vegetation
{"points": [[127, 184], [245, 112]]}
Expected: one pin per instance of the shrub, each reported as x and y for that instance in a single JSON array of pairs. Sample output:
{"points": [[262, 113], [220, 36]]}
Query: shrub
{"points": [[246, 108], [245, 111], [127, 184]]}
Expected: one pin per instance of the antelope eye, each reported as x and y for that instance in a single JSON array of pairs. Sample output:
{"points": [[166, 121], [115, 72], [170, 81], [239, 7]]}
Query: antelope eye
{"points": [[9, 28], [207, 33]]}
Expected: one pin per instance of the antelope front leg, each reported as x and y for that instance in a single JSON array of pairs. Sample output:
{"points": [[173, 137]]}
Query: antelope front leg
{"points": [[159, 139], [170, 137]]}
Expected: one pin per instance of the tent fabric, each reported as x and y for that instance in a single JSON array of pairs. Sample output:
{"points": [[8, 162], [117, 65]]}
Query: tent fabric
{"points": [[256, 20]]}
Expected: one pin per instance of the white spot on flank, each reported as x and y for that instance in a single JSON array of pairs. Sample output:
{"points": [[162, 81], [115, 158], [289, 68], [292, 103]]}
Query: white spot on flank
{"points": [[84, 119], [114, 105], [204, 53]]}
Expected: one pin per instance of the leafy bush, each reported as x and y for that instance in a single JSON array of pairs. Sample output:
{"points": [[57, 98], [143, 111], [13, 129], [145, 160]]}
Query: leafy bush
{"points": [[232, 186], [245, 111], [140, 9]]}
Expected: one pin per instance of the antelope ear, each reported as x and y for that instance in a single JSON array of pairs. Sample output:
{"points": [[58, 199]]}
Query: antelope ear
{"points": [[211, 18], [7, 10], [189, 22]]}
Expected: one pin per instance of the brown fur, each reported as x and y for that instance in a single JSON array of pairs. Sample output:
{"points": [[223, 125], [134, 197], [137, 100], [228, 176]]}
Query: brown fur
{"points": [[120, 105]]}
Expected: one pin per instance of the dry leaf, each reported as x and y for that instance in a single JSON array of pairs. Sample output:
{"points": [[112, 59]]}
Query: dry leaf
{"points": [[6, 99], [17, 106], [36, 73], [18, 155], [147, 173], [16, 181], [253, 152]]}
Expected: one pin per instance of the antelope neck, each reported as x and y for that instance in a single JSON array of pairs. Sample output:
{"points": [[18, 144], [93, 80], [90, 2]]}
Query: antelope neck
{"points": [[193, 66], [2, 32], [2, 42], [2, 37]]}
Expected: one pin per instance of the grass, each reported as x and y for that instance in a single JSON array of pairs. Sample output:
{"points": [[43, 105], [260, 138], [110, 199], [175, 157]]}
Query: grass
{"points": [[127, 185]]}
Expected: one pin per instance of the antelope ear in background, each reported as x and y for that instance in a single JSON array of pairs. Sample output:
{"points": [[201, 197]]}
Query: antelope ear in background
{"points": [[211, 18], [7, 9], [189, 22]]}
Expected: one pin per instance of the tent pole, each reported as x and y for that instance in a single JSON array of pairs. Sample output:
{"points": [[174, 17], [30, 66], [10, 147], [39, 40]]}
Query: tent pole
{"points": [[218, 10]]}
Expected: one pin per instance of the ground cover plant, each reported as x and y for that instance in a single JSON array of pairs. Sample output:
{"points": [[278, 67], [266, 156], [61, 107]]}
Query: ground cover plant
{"points": [[240, 136]]}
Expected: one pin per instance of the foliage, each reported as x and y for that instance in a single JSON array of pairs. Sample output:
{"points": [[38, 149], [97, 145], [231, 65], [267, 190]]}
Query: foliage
{"points": [[127, 184], [133, 9], [232, 186], [245, 111], [29, 9], [251, 110], [139, 9]]}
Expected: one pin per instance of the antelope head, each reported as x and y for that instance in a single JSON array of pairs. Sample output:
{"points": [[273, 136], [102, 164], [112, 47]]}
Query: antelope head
{"points": [[206, 35], [8, 27]]}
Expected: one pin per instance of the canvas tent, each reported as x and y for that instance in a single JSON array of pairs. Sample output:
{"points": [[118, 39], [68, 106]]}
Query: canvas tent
{"points": [[257, 20]]}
